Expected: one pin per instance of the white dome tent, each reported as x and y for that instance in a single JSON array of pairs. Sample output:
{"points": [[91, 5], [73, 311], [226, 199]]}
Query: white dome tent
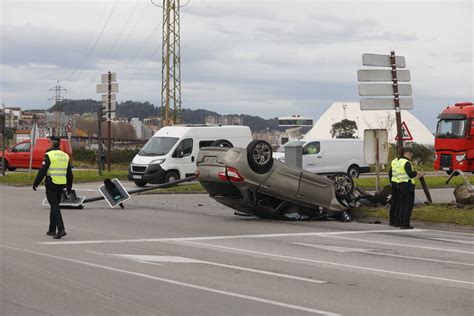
{"points": [[369, 120]]}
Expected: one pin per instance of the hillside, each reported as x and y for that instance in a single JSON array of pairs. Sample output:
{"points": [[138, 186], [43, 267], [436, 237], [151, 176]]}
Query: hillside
{"points": [[142, 110]]}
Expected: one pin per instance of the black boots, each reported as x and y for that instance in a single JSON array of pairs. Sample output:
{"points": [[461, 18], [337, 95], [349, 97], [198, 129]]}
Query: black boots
{"points": [[60, 233]]}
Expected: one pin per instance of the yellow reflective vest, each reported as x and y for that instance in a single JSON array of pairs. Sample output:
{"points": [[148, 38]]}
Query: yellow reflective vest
{"points": [[394, 166], [399, 170], [57, 170]]}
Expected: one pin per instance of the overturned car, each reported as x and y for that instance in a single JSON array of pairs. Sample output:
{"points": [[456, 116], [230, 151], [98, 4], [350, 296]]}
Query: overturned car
{"points": [[251, 182]]}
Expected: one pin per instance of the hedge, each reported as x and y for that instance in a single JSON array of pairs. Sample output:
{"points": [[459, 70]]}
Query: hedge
{"points": [[117, 156]]}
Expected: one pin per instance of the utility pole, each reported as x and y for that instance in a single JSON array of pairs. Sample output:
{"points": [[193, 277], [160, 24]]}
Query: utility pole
{"points": [[171, 64], [3, 128], [57, 97]]}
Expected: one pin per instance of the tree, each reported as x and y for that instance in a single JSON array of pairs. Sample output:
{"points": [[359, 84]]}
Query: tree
{"points": [[344, 129]]}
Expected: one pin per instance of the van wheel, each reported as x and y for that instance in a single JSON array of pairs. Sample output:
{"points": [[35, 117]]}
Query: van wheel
{"points": [[353, 171], [140, 183], [171, 176], [222, 143], [260, 156], [343, 184]]}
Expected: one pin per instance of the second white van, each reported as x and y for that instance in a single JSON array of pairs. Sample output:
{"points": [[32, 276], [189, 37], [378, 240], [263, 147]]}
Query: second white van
{"points": [[325, 156], [171, 153]]}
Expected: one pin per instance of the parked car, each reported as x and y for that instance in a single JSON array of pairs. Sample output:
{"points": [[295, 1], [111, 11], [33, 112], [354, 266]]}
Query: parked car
{"points": [[250, 181], [326, 156], [171, 153], [18, 155]]}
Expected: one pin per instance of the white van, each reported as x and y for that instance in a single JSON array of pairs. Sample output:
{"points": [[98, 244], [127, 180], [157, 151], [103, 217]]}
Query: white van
{"points": [[171, 153], [326, 156]]}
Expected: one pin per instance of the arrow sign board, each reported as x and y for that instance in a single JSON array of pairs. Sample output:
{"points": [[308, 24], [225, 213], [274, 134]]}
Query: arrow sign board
{"points": [[104, 87], [382, 75], [406, 135], [385, 104], [105, 97], [382, 60], [105, 77], [106, 108], [383, 89]]}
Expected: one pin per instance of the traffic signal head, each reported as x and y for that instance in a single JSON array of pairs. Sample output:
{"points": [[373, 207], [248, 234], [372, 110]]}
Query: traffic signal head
{"points": [[114, 192]]}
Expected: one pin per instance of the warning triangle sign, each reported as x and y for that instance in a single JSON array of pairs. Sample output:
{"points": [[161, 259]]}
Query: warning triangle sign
{"points": [[406, 135]]}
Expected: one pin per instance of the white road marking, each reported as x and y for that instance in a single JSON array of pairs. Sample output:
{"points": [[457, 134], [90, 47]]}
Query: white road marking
{"points": [[374, 252], [401, 245], [148, 259], [457, 241], [333, 248], [183, 284], [330, 263], [178, 239]]}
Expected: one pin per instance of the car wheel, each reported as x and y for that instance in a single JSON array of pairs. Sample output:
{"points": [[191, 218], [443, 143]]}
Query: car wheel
{"points": [[140, 183], [7, 167], [171, 176], [260, 156], [222, 143], [343, 184], [353, 171]]}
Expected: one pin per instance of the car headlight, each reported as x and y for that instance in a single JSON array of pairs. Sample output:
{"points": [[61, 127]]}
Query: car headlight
{"points": [[158, 161], [460, 157]]}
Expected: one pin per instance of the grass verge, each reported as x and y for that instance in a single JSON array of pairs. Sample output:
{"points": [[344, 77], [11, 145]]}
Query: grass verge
{"points": [[22, 178], [431, 182], [436, 213]]}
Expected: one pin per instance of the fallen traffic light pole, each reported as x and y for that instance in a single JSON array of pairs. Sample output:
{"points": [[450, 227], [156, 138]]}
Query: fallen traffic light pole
{"points": [[151, 188]]}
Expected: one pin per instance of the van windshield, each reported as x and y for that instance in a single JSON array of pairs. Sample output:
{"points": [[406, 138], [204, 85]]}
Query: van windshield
{"points": [[451, 128], [158, 146]]}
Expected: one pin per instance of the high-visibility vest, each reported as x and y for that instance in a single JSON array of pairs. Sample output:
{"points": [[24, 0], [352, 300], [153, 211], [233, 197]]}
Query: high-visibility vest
{"points": [[394, 166], [400, 170], [57, 170]]}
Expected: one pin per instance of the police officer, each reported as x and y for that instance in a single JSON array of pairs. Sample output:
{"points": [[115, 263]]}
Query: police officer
{"points": [[404, 176], [395, 200], [56, 168]]}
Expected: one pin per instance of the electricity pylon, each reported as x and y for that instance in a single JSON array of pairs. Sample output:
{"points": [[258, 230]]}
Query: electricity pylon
{"points": [[171, 64]]}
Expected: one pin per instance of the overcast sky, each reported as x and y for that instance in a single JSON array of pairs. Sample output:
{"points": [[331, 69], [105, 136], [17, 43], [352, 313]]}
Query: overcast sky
{"points": [[262, 57]]}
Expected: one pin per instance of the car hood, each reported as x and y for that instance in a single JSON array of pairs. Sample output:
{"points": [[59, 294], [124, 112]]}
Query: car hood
{"points": [[145, 160]]}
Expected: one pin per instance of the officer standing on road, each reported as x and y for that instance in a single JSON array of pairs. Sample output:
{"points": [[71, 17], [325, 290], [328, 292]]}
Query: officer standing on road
{"points": [[395, 200], [404, 175], [56, 168]]}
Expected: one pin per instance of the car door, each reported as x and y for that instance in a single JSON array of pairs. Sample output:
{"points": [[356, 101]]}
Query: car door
{"points": [[20, 155], [282, 183], [312, 160], [185, 160]]}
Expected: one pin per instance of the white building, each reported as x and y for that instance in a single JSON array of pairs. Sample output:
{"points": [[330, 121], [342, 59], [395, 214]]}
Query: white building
{"points": [[369, 120], [137, 126]]}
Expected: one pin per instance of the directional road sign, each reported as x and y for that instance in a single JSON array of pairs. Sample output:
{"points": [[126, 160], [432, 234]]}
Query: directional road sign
{"points": [[382, 75], [385, 104], [382, 60], [106, 108], [104, 87], [384, 89], [105, 77], [105, 97]]}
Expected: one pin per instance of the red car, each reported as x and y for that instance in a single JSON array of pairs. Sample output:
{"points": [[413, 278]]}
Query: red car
{"points": [[18, 155]]}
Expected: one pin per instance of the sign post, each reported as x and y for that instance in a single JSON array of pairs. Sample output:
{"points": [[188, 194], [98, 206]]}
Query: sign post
{"points": [[376, 150], [108, 86], [69, 129], [32, 145], [3, 128]]}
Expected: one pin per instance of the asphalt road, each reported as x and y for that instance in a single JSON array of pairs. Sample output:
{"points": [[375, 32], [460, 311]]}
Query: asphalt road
{"points": [[187, 255]]}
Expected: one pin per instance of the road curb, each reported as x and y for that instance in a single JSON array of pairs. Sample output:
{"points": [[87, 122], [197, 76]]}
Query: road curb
{"points": [[419, 224]]}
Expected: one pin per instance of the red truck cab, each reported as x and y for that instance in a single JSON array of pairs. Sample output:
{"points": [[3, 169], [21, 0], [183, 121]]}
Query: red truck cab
{"points": [[18, 155], [454, 140]]}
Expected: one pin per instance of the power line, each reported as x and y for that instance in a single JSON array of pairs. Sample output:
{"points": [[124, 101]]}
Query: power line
{"points": [[95, 42]]}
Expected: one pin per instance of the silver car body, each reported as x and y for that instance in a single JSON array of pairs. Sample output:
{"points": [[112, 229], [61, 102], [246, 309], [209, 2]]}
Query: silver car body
{"points": [[283, 190]]}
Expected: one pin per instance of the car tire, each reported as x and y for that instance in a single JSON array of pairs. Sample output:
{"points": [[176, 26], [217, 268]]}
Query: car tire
{"points": [[171, 176], [140, 183], [343, 184], [353, 171], [260, 156], [7, 167], [222, 143]]}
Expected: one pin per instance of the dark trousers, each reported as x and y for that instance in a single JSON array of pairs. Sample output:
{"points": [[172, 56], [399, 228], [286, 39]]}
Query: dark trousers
{"points": [[395, 205], [407, 201], [53, 194]]}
